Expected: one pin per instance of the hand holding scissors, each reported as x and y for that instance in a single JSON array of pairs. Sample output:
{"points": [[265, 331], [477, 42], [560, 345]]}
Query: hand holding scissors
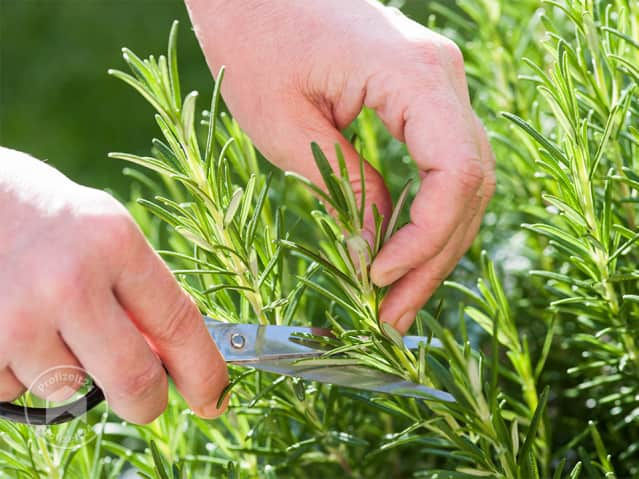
{"points": [[274, 349]]}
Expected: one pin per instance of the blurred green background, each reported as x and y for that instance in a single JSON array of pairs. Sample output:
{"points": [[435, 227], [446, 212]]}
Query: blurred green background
{"points": [[57, 101]]}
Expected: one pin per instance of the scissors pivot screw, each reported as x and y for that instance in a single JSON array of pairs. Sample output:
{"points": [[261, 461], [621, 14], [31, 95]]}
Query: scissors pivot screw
{"points": [[238, 341]]}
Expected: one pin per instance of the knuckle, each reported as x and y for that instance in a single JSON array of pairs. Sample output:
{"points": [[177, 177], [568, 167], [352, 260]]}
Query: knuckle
{"points": [[61, 286], [66, 283], [441, 53], [19, 331], [105, 222], [426, 52], [113, 230], [470, 175], [452, 54], [180, 324], [142, 383]]}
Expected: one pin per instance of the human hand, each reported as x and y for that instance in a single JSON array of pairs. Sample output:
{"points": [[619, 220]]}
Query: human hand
{"points": [[80, 286], [301, 71]]}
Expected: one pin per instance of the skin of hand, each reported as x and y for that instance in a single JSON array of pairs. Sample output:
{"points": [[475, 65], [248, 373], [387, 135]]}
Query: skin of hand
{"points": [[300, 71], [80, 285]]}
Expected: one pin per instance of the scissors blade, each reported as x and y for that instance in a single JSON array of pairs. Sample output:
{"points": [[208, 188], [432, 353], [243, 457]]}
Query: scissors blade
{"points": [[277, 349], [240, 343], [351, 376]]}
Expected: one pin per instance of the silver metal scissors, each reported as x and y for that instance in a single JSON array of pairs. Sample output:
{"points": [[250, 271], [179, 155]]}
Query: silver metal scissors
{"points": [[270, 348]]}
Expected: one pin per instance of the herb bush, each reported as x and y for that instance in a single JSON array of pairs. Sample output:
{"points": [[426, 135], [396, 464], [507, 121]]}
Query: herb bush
{"points": [[538, 326]]}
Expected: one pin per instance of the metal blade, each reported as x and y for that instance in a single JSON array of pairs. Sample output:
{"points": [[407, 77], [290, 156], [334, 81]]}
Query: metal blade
{"points": [[351, 376], [413, 342], [241, 343], [274, 349]]}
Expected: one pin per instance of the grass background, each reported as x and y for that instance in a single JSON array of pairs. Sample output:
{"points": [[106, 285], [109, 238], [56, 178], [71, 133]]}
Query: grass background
{"points": [[57, 101]]}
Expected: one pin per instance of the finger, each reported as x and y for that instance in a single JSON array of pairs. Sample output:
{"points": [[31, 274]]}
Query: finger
{"points": [[441, 137], [410, 293], [48, 368], [119, 359], [433, 220], [452, 59], [488, 162], [174, 327], [10, 387], [486, 190], [407, 296]]}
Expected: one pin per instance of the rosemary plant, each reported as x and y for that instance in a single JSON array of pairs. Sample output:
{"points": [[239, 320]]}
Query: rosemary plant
{"points": [[538, 327]]}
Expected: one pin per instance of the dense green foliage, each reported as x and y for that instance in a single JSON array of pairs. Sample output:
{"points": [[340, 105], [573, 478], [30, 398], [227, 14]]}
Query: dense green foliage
{"points": [[538, 332]]}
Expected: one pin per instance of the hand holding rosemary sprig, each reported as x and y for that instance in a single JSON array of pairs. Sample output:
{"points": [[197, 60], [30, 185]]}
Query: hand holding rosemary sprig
{"points": [[411, 76], [347, 250], [309, 79]]}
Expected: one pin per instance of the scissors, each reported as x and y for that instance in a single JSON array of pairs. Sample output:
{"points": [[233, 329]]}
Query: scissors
{"points": [[270, 348]]}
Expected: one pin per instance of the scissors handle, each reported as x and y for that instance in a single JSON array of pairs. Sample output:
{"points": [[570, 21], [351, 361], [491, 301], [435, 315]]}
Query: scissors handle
{"points": [[48, 416]]}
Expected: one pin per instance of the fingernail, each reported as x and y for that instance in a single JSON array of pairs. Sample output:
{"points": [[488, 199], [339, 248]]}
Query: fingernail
{"points": [[382, 277]]}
